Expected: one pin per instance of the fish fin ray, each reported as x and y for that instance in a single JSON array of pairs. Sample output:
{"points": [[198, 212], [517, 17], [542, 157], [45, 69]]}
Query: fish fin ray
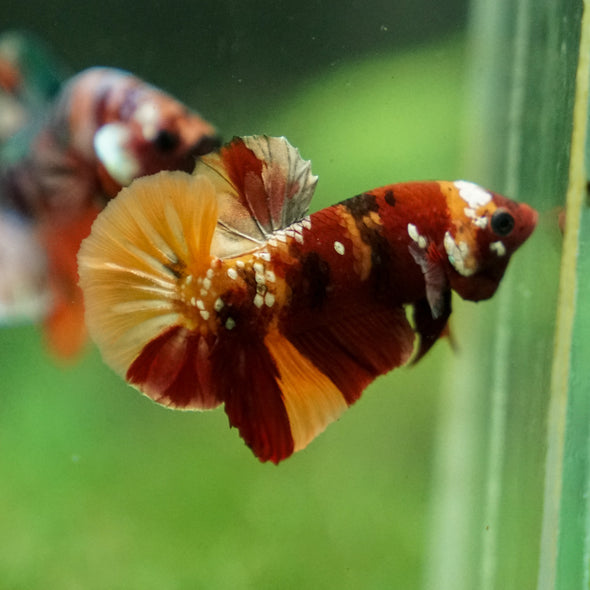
{"points": [[170, 218], [434, 277], [246, 380], [263, 185]]}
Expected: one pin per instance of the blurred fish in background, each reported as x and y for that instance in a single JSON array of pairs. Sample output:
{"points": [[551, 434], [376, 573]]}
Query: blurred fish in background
{"points": [[67, 146]]}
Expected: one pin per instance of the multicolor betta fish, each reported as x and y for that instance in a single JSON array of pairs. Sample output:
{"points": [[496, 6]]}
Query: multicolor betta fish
{"points": [[104, 128], [218, 287]]}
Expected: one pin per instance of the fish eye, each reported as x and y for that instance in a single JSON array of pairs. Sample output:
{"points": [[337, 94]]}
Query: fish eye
{"points": [[166, 141], [502, 222]]}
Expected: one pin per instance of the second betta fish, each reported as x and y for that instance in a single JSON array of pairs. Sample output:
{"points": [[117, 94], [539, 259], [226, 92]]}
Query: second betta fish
{"points": [[103, 128], [219, 288]]}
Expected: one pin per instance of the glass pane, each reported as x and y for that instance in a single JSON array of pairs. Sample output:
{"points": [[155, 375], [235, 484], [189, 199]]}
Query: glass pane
{"points": [[491, 495]]}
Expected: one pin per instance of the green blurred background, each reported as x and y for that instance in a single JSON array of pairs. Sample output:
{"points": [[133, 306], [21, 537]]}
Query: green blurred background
{"points": [[99, 487]]}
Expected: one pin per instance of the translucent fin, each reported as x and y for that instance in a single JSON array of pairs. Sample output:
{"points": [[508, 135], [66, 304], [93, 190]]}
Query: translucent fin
{"points": [[263, 185]]}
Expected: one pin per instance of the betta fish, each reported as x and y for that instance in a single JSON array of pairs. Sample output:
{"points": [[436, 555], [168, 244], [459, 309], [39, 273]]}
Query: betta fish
{"points": [[104, 128], [219, 287]]}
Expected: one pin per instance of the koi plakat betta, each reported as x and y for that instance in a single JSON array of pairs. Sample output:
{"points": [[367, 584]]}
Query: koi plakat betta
{"points": [[99, 130], [219, 287]]}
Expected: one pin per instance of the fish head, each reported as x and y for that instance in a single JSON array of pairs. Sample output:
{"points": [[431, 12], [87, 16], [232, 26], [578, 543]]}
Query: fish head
{"points": [[156, 132], [486, 229]]}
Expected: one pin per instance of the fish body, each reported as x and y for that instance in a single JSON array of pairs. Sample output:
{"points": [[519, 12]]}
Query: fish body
{"points": [[220, 288], [104, 128]]}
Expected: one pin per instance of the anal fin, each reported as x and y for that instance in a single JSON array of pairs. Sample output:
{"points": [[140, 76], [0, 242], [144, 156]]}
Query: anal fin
{"points": [[355, 346], [247, 381]]}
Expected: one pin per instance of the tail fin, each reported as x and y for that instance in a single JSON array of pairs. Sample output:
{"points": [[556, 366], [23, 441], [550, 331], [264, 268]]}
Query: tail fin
{"points": [[143, 247]]}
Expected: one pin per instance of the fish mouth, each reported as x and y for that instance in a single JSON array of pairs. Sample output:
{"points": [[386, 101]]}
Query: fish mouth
{"points": [[529, 220]]}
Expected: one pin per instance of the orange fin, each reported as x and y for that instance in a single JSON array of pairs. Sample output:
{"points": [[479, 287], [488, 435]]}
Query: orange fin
{"points": [[263, 185], [133, 266], [65, 330]]}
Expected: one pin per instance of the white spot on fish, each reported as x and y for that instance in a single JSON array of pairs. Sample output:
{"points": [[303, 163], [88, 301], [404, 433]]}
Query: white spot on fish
{"points": [[258, 268], [204, 314], [230, 324], [203, 292], [207, 283], [193, 301], [210, 272], [269, 299], [189, 279], [200, 304], [296, 230], [415, 235], [472, 194], [232, 273], [110, 145], [264, 255], [270, 276], [258, 300], [218, 305], [498, 247], [148, 117], [457, 253], [339, 247], [240, 263]]}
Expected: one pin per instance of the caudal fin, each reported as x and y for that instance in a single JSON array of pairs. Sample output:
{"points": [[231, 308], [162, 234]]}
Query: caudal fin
{"points": [[143, 248]]}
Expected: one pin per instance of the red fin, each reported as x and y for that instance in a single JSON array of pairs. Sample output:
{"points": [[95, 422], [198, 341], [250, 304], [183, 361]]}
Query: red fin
{"points": [[354, 347], [246, 378], [174, 370], [430, 328]]}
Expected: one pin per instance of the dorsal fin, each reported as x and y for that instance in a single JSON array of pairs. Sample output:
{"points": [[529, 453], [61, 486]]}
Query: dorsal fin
{"points": [[262, 184]]}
